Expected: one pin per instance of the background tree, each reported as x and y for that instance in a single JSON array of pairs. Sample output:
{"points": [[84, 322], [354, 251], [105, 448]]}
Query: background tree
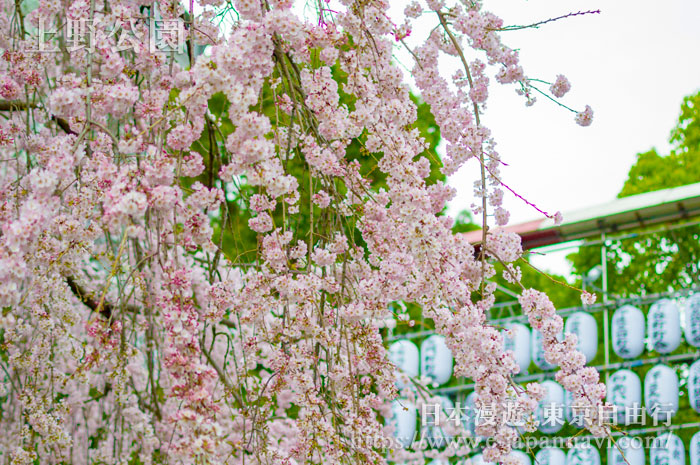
{"points": [[660, 261]]}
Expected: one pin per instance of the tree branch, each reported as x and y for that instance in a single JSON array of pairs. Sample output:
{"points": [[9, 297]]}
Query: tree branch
{"points": [[12, 105], [88, 301]]}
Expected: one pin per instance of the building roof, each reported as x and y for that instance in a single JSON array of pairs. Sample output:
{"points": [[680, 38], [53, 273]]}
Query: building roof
{"points": [[635, 211]]}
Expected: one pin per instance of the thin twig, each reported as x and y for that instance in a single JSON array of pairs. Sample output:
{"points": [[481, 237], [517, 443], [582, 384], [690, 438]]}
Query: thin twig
{"points": [[455, 43], [550, 20]]}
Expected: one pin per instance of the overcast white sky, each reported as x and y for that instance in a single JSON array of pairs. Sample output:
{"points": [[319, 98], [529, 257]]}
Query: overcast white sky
{"points": [[633, 63]]}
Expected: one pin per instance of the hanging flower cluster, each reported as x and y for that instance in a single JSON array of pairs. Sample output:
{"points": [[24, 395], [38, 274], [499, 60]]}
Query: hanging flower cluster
{"points": [[195, 265]]}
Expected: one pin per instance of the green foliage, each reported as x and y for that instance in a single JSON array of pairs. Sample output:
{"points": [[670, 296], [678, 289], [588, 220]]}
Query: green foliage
{"points": [[686, 134], [653, 172], [562, 294], [238, 241], [660, 261], [464, 223], [95, 394]]}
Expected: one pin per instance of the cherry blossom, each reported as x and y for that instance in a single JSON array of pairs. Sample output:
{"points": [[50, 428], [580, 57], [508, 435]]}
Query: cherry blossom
{"points": [[195, 267]]}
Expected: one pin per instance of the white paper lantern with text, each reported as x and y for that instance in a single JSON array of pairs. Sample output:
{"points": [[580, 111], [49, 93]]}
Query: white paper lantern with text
{"points": [[624, 390], [550, 456], [583, 454], [664, 326], [694, 386], [519, 344], [403, 418], [435, 359], [550, 411], [695, 449], [661, 392], [692, 320], [667, 449], [404, 354], [583, 325], [632, 450], [627, 331]]}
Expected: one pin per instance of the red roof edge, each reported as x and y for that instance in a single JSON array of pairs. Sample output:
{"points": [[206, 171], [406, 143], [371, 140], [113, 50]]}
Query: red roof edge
{"points": [[530, 233]]}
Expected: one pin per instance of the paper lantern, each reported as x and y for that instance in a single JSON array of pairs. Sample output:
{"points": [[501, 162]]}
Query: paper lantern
{"points": [[625, 393], [471, 417], [550, 411], [583, 325], [664, 326], [550, 456], [436, 415], [466, 461], [444, 408], [470, 412], [628, 332], [538, 351], [403, 418], [692, 320], [694, 386], [574, 418], [478, 459], [521, 457], [519, 344], [435, 359], [667, 449], [661, 392], [632, 450], [583, 454], [404, 354], [695, 449]]}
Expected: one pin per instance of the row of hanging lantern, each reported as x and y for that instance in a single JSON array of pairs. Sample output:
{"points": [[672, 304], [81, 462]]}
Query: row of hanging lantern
{"points": [[666, 449], [404, 418], [405, 415], [663, 327], [525, 344], [434, 360], [624, 391], [661, 399]]}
